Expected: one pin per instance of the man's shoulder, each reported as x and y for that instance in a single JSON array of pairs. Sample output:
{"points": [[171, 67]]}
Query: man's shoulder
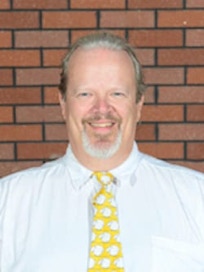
{"points": [[28, 185], [34, 174], [169, 170], [177, 182]]}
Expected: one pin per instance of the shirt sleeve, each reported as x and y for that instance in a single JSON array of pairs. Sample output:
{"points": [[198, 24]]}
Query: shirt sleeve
{"points": [[0, 254], [2, 211], [0, 223]]}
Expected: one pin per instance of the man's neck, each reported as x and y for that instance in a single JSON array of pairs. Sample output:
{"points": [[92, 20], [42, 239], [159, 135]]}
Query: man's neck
{"points": [[96, 164]]}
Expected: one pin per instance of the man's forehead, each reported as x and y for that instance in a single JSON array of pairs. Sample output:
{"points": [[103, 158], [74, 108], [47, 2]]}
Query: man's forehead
{"points": [[89, 57]]}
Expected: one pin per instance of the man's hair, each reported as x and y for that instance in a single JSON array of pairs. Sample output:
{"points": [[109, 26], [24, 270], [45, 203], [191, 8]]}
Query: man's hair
{"points": [[108, 41]]}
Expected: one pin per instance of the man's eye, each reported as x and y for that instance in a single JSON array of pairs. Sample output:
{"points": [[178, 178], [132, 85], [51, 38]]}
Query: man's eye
{"points": [[84, 94], [118, 94]]}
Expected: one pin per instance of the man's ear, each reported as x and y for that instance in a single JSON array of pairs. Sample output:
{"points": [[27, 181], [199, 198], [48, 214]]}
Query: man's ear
{"points": [[62, 105], [139, 106]]}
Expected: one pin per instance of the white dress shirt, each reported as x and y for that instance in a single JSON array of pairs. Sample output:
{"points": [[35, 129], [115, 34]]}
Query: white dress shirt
{"points": [[45, 216]]}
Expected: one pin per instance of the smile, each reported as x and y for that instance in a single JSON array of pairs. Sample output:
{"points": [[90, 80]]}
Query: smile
{"points": [[102, 125]]}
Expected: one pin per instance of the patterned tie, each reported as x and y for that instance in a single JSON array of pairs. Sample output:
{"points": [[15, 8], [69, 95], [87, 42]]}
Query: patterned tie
{"points": [[106, 249]]}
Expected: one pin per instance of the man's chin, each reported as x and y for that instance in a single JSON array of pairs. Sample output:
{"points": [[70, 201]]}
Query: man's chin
{"points": [[102, 148]]}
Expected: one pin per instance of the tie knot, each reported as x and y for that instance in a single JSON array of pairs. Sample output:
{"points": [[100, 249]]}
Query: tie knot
{"points": [[104, 178]]}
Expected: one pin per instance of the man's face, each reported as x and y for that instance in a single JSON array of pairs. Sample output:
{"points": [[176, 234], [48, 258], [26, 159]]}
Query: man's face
{"points": [[100, 109]]}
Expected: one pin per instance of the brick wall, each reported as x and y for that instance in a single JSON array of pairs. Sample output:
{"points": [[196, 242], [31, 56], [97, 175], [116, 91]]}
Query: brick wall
{"points": [[34, 36]]}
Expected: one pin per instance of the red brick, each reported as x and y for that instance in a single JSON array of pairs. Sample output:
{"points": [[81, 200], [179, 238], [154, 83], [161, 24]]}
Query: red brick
{"points": [[18, 20], [55, 132], [181, 57], [5, 4], [38, 114], [38, 76], [156, 4], [99, 4], [69, 19], [150, 95], [19, 58], [40, 150], [199, 166], [162, 113], [195, 113], [6, 114], [53, 57], [18, 95], [76, 34], [195, 76], [20, 133], [39, 4], [146, 56], [7, 168], [126, 19], [6, 77], [156, 38], [51, 95], [163, 150], [182, 94], [164, 75], [181, 132], [6, 151], [181, 18], [194, 4], [145, 132], [5, 39], [195, 151], [195, 37], [26, 39]]}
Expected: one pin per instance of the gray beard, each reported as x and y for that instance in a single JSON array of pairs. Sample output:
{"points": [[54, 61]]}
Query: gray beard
{"points": [[101, 152]]}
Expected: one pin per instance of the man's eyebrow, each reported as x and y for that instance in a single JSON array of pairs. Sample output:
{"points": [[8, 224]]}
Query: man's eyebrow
{"points": [[75, 90]]}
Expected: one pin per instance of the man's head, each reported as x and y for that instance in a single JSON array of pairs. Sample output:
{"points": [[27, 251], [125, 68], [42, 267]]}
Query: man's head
{"points": [[103, 40], [99, 87]]}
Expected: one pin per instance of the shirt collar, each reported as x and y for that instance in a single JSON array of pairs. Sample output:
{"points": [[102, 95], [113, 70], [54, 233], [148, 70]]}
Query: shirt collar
{"points": [[127, 170], [80, 175]]}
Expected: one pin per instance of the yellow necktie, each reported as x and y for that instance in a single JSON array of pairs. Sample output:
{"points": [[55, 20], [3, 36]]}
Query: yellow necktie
{"points": [[105, 249]]}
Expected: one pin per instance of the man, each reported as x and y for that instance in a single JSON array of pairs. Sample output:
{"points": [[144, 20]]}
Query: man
{"points": [[47, 213]]}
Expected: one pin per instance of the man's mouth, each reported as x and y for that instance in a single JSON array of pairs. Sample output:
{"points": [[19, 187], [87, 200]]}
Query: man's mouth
{"points": [[102, 125]]}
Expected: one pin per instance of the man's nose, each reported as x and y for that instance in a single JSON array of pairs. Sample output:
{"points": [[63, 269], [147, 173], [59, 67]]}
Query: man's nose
{"points": [[102, 105]]}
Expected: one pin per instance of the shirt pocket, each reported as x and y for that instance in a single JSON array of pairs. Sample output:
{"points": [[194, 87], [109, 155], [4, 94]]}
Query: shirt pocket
{"points": [[170, 255]]}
